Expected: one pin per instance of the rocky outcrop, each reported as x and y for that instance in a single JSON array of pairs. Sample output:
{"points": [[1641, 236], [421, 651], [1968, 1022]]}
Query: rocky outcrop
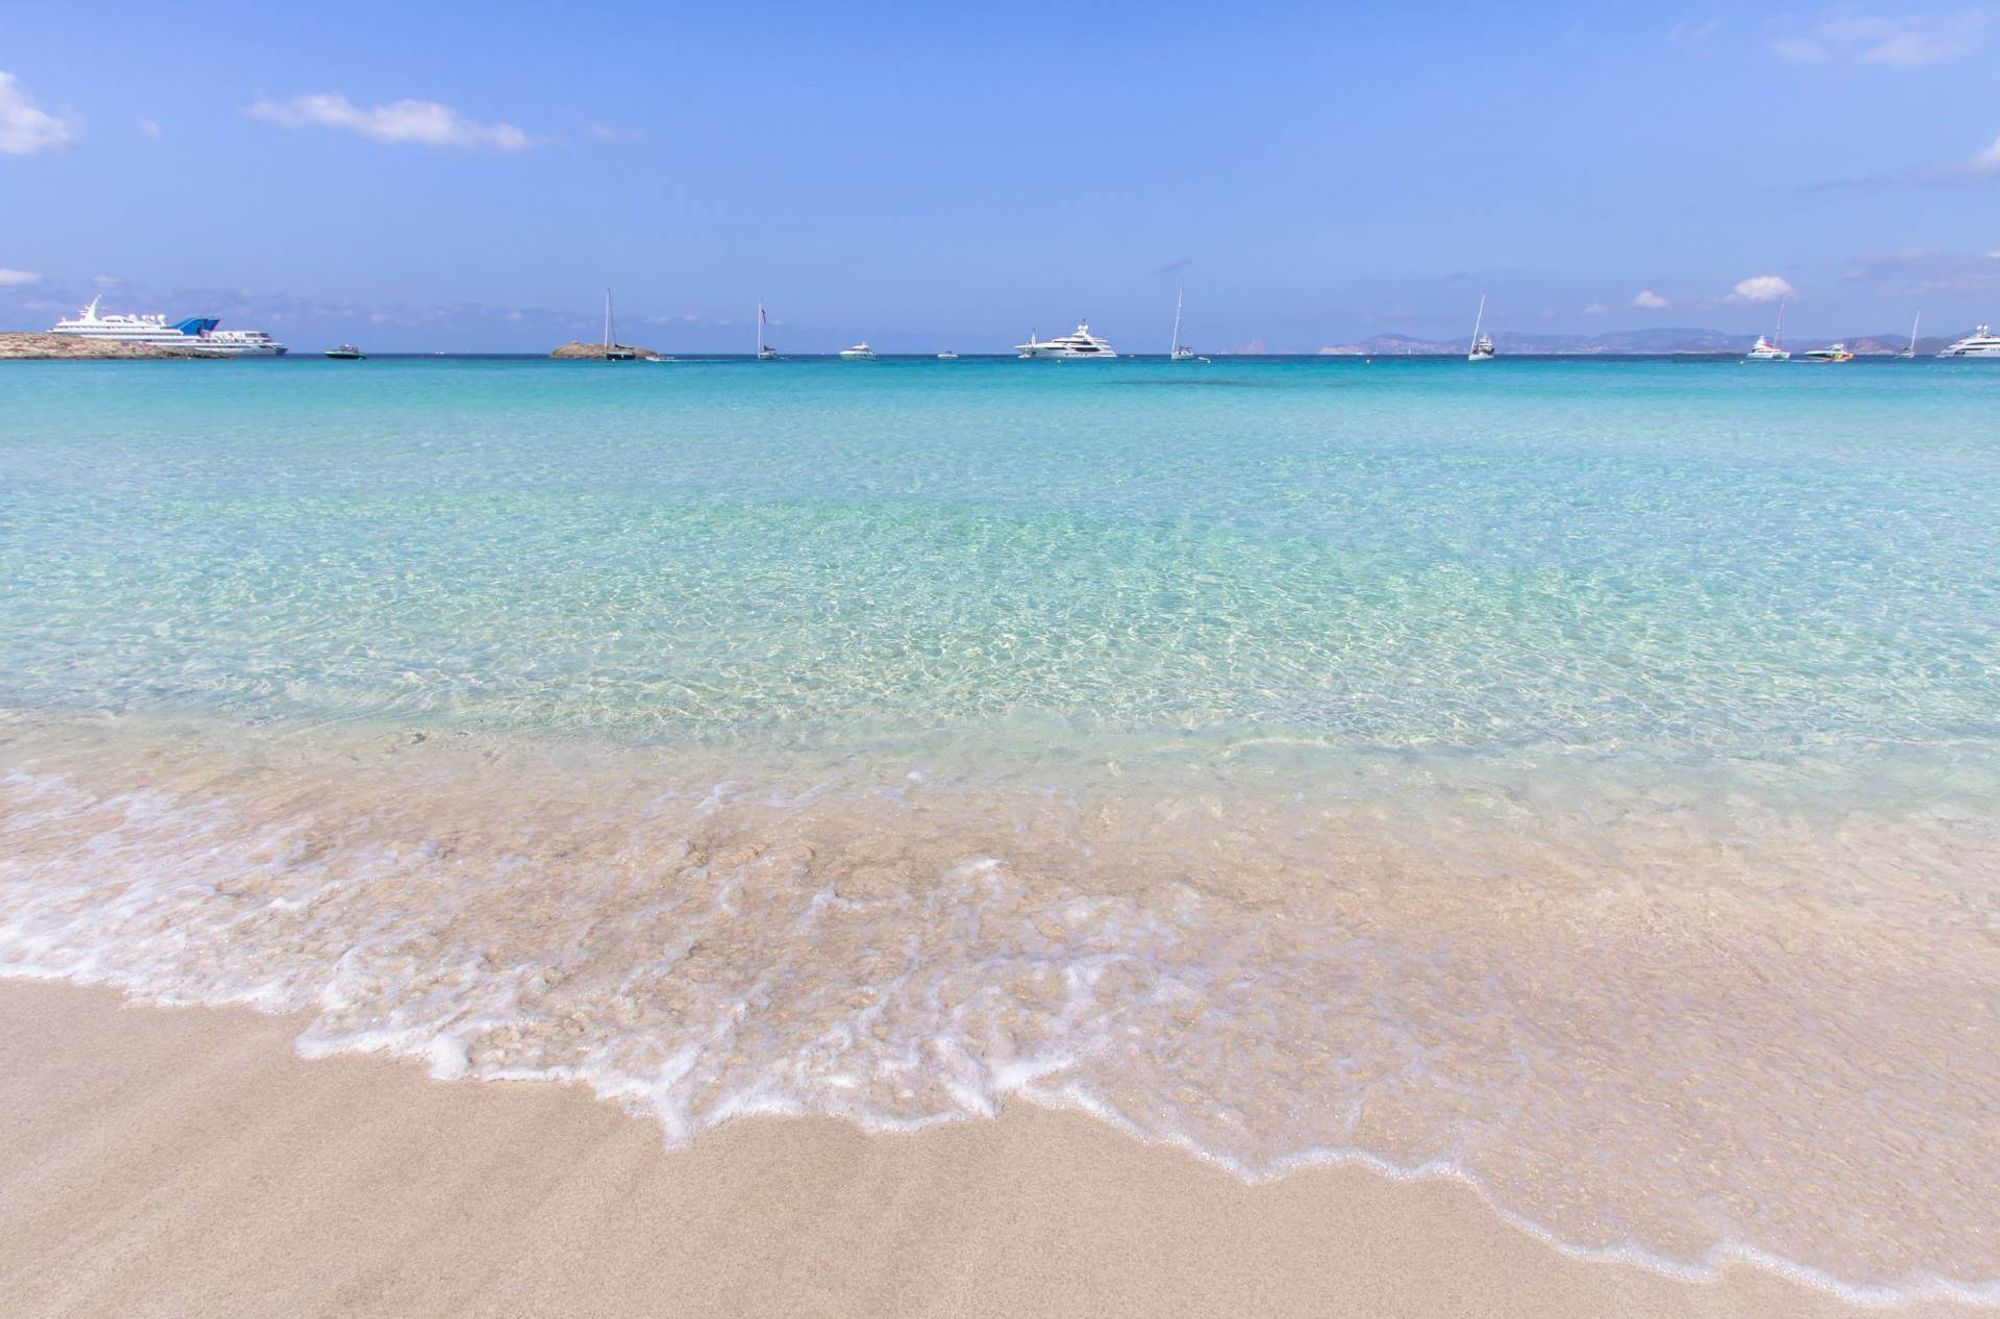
{"points": [[74, 348], [594, 352]]}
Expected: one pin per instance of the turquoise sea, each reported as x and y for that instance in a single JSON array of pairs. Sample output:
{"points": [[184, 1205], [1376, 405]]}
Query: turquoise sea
{"points": [[1579, 777]]}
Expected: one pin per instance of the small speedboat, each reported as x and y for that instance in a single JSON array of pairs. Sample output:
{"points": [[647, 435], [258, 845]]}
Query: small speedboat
{"points": [[947, 356], [347, 352], [1833, 352], [861, 352]]}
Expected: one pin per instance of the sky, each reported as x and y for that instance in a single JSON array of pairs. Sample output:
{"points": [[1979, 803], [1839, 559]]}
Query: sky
{"points": [[437, 176]]}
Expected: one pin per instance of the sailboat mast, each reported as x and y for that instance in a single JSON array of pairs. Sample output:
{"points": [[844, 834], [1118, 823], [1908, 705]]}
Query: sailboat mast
{"points": [[1479, 320], [1913, 333], [1179, 298], [760, 327], [607, 319], [1781, 323]]}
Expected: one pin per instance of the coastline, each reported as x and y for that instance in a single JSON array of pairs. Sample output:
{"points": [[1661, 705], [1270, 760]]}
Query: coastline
{"points": [[182, 1159], [26, 347]]}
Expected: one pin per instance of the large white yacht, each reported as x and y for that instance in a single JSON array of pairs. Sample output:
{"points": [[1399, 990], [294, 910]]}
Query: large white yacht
{"points": [[1980, 343], [89, 324], [196, 332], [1081, 344]]}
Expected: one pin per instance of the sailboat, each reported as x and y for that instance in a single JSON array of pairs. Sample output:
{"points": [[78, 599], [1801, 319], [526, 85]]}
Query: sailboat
{"points": [[1482, 345], [612, 351], [1911, 351], [1771, 350], [765, 353], [1178, 351]]}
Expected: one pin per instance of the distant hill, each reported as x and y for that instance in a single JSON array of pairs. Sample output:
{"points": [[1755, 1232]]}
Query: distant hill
{"points": [[1619, 342]]}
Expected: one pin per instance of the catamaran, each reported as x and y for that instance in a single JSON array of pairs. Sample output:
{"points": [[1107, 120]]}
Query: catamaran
{"points": [[1911, 351], [1482, 345], [1081, 345], [1770, 350], [1178, 351], [765, 353], [1980, 343]]}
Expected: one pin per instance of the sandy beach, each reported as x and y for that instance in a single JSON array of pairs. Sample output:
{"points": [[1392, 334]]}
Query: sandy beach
{"points": [[185, 1161]]}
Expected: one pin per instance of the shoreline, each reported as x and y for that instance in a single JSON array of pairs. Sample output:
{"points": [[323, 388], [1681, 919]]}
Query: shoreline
{"points": [[187, 1159]]}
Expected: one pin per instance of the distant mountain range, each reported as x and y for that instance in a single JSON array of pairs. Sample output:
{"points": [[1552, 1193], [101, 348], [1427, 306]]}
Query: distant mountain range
{"points": [[1617, 342]]}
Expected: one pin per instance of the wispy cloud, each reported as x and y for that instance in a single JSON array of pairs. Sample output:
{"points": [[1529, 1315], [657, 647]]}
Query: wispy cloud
{"points": [[1761, 288], [1595, 309], [1649, 300], [425, 123], [151, 128], [1850, 38], [16, 278], [25, 127], [1174, 267], [1982, 167], [1919, 271]]}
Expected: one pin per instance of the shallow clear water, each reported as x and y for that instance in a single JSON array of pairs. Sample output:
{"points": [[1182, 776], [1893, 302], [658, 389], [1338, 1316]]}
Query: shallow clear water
{"points": [[1577, 777]]}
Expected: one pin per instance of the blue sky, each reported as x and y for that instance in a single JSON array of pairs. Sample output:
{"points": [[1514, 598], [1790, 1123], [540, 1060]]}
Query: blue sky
{"points": [[437, 176]]}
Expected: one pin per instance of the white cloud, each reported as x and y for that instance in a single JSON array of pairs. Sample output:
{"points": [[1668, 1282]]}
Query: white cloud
{"points": [[15, 278], [1595, 309], [1650, 300], [149, 128], [1761, 288], [1853, 38], [26, 128], [426, 123], [106, 281]]}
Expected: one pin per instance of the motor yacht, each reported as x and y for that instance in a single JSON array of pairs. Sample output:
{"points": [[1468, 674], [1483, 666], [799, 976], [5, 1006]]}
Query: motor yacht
{"points": [[1833, 352], [1082, 344], [1980, 343], [346, 352], [860, 352]]}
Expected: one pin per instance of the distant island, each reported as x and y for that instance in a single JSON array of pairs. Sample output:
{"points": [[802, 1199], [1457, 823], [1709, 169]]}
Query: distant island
{"points": [[1618, 343], [22, 347], [579, 351]]}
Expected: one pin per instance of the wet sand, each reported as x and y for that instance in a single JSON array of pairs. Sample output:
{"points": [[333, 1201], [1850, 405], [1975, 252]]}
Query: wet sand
{"points": [[186, 1161]]}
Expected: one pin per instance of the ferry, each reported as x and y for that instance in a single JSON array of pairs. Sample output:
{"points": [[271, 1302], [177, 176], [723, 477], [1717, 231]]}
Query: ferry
{"points": [[240, 343], [860, 352], [1833, 352], [1980, 343], [1082, 344]]}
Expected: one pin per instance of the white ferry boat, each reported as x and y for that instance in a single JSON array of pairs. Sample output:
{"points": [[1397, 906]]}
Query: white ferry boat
{"points": [[1082, 344], [861, 352], [1980, 343], [240, 343], [195, 332]]}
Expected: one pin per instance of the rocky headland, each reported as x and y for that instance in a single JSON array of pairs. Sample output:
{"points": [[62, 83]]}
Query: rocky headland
{"points": [[74, 348], [579, 351]]}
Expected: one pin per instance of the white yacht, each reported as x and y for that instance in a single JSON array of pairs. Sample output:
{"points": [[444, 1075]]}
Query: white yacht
{"points": [[89, 324], [1980, 343], [947, 356], [861, 352], [1833, 352], [195, 332], [1482, 344], [765, 353], [1176, 350], [1770, 350], [1082, 344]]}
